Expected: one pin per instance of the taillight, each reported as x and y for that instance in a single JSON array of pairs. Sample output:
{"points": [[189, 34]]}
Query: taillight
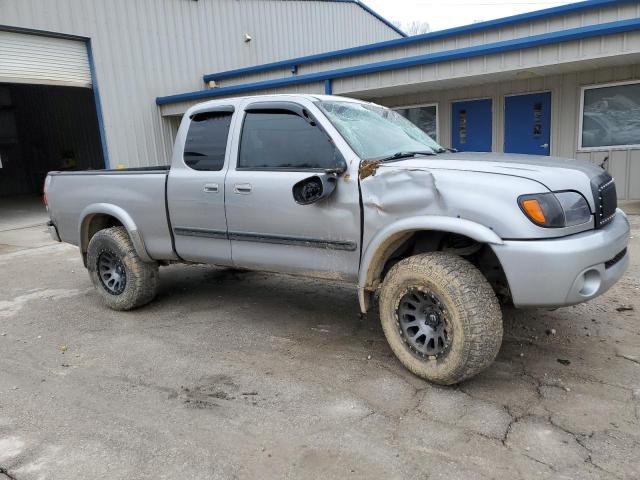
{"points": [[45, 198]]}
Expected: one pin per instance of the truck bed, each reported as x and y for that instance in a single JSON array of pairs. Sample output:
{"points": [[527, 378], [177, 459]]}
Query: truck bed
{"points": [[135, 196]]}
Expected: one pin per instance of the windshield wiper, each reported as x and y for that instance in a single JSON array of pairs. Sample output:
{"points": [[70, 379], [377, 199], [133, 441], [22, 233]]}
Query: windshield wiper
{"points": [[401, 155], [445, 149]]}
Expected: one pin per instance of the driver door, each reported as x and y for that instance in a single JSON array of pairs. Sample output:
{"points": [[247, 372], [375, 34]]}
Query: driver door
{"points": [[280, 144]]}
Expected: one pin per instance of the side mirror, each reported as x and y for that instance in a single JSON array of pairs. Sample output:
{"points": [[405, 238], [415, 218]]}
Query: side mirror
{"points": [[315, 188]]}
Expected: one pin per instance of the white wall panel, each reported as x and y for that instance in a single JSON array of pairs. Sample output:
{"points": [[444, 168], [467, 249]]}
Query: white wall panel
{"points": [[148, 48], [524, 29], [634, 174]]}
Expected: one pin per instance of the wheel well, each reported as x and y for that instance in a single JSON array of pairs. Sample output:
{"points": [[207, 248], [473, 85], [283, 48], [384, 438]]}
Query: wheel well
{"points": [[408, 244], [91, 225]]}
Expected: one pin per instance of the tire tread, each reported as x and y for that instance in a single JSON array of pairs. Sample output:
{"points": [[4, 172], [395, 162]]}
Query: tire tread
{"points": [[144, 275], [474, 300]]}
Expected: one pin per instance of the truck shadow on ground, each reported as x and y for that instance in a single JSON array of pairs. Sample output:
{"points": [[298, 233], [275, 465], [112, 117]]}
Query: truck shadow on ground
{"points": [[552, 376], [289, 364], [324, 314]]}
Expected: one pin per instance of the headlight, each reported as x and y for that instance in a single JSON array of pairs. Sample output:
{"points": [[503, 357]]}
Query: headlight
{"points": [[557, 209]]}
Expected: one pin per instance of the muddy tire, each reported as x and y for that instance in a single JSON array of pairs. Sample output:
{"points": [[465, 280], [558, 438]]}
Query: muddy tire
{"points": [[441, 317], [123, 280]]}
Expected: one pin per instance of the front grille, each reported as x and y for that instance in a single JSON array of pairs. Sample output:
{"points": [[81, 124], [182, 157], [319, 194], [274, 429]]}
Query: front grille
{"points": [[606, 199], [616, 259]]}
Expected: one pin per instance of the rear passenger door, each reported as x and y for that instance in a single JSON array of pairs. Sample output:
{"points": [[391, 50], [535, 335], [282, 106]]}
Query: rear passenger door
{"points": [[195, 189], [280, 144]]}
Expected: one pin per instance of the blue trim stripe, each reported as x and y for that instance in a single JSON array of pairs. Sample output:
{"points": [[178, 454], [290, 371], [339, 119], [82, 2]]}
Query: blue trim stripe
{"points": [[439, 35], [96, 97], [425, 59], [328, 90]]}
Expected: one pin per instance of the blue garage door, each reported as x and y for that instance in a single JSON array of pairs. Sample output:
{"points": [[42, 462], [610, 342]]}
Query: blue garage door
{"points": [[527, 123], [471, 125]]}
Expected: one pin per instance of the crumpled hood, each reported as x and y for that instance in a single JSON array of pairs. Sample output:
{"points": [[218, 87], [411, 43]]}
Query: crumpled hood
{"points": [[555, 173]]}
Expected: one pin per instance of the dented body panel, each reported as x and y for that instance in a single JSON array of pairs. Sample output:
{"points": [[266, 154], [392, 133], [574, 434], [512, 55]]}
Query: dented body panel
{"points": [[248, 218]]}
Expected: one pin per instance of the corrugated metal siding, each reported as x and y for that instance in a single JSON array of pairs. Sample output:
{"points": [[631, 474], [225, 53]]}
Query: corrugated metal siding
{"points": [[525, 29], [34, 59], [549, 59], [624, 163], [544, 59], [146, 48]]}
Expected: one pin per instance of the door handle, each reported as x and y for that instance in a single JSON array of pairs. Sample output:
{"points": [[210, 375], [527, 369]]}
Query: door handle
{"points": [[211, 187], [545, 145], [242, 188]]}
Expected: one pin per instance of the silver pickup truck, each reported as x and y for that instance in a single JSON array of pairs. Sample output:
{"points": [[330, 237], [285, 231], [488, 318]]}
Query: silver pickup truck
{"points": [[345, 190]]}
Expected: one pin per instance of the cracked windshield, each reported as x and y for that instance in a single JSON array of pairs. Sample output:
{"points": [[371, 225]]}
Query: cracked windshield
{"points": [[376, 132]]}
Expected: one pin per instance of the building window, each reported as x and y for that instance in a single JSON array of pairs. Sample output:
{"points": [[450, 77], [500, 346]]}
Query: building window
{"points": [[424, 116], [610, 116]]}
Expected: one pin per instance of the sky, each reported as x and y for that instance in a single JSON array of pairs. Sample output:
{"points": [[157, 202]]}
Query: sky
{"points": [[441, 14]]}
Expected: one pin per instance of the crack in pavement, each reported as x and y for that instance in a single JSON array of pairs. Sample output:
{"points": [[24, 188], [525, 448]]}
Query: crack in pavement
{"points": [[512, 420], [579, 439], [627, 357]]}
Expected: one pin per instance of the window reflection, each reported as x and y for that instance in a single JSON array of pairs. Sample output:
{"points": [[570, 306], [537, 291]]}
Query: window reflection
{"points": [[424, 117], [611, 116]]}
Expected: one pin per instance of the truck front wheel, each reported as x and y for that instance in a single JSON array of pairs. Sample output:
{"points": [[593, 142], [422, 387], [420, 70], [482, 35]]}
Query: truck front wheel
{"points": [[122, 279], [441, 317]]}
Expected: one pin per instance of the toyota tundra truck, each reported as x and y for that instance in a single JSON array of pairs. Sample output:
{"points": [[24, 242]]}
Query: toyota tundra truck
{"points": [[344, 190]]}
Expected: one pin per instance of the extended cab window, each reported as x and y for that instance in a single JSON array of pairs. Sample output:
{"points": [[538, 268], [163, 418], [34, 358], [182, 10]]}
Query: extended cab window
{"points": [[206, 142], [275, 139]]}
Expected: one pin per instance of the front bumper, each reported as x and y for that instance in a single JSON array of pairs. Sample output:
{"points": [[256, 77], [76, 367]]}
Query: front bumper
{"points": [[568, 270]]}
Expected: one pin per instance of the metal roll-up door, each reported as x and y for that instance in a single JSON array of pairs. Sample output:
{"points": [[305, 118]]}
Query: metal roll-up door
{"points": [[27, 58]]}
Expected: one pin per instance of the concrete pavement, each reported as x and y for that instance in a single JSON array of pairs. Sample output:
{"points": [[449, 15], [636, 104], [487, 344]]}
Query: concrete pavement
{"points": [[246, 375]]}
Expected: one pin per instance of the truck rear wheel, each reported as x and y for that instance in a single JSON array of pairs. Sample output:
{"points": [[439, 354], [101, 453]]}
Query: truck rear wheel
{"points": [[441, 317], [123, 280]]}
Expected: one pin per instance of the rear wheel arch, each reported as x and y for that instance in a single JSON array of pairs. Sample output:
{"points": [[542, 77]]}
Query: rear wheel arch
{"points": [[414, 236], [102, 216]]}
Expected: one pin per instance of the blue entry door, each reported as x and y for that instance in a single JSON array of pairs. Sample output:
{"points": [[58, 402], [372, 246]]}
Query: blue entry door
{"points": [[471, 125], [527, 123]]}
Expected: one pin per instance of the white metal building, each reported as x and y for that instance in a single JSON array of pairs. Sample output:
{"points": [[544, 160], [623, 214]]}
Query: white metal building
{"points": [[561, 81], [79, 78]]}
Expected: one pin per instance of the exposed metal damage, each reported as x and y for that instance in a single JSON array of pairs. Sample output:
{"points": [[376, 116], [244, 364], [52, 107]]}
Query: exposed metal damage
{"points": [[398, 192]]}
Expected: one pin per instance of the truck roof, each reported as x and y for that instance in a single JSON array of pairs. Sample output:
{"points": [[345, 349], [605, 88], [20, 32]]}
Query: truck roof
{"points": [[235, 101]]}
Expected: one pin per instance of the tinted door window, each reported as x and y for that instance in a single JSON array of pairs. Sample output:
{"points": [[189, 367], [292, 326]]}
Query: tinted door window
{"points": [[207, 140], [282, 139]]}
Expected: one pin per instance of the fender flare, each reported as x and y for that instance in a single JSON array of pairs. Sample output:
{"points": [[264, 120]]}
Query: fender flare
{"points": [[122, 216], [391, 237]]}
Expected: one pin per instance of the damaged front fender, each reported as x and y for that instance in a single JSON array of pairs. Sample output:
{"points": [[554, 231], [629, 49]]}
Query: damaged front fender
{"points": [[398, 202], [391, 236]]}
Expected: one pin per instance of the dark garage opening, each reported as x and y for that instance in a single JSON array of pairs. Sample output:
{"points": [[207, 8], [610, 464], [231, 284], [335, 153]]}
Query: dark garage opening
{"points": [[42, 128]]}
